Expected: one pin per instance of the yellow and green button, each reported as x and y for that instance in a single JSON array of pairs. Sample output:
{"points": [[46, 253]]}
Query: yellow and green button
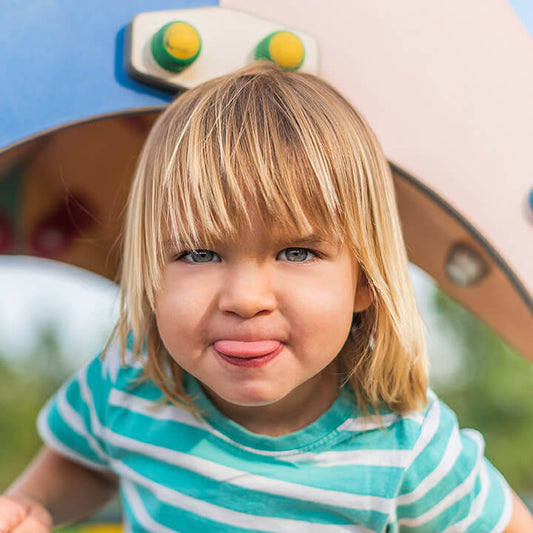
{"points": [[176, 45], [283, 48]]}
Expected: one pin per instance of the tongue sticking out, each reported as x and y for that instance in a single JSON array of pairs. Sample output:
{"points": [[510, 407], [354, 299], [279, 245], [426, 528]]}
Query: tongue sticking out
{"points": [[246, 349]]}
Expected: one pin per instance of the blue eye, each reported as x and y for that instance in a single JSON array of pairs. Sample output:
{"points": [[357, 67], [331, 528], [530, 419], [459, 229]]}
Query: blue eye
{"points": [[296, 255], [199, 256]]}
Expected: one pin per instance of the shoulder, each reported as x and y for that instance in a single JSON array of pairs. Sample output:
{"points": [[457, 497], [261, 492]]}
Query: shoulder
{"points": [[93, 387], [431, 438], [448, 482], [415, 431], [433, 425], [415, 442], [406, 431], [439, 440]]}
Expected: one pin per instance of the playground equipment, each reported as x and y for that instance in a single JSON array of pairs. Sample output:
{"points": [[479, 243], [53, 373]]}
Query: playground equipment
{"points": [[444, 85]]}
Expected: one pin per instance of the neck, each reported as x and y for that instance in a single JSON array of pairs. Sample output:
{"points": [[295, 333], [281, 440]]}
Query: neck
{"points": [[297, 410]]}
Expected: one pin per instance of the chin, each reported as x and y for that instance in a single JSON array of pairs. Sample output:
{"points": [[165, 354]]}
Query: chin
{"points": [[257, 400], [253, 397]]}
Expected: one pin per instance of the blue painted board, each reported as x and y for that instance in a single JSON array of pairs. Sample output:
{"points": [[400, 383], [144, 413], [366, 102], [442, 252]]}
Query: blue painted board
{"points": [[61, 61]]}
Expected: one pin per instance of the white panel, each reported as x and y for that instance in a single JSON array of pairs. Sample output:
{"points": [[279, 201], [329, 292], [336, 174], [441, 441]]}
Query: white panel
{"points": [[228, 37]]}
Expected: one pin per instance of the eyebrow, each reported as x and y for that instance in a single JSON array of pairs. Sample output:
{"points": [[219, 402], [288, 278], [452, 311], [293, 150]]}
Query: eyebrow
{"points": [[309, 239], [304, 239]]}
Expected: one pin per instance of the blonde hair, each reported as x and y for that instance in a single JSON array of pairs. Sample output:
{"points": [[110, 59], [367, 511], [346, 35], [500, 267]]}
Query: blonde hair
{"points": [[288, 148]]}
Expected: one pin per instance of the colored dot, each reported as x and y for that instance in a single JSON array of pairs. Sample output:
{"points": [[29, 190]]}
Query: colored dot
{"points": [[287, 50], [176, 45], [181, 41]]}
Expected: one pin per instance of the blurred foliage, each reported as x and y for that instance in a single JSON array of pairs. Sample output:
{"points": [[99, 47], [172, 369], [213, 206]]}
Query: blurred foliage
{"points": [[491, 390], [26, 382]]}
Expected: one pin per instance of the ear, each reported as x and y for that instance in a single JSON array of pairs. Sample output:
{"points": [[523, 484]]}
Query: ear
{"points": [[363, 295]]}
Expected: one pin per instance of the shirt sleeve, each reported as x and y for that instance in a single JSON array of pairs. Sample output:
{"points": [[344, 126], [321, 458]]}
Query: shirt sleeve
{"points": [[73, 420], [450, 486]]}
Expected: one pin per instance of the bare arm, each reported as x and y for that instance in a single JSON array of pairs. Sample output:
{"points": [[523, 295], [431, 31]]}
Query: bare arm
{"points": [[67, 490], [521, 519]]}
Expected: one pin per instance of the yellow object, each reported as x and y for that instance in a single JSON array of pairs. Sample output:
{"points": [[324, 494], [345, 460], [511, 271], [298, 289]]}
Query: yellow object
{"points": [[101, 528], [181, 40], [287, 50]]}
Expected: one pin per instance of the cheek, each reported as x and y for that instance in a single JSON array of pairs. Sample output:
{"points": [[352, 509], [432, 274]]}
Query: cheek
{"points": [[333, 293], [175, 327], [182, 308], [178, 296], [324, 316], [163, 313], [170, 312]]}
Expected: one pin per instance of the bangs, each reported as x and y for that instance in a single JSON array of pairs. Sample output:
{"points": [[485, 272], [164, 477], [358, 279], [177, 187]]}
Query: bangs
{"points": [[249, 156]]}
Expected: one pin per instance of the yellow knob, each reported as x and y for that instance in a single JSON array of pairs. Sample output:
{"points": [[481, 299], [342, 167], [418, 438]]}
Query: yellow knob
{"points": [[283, 48], [176, 45], [286, 50], [181, 40]]}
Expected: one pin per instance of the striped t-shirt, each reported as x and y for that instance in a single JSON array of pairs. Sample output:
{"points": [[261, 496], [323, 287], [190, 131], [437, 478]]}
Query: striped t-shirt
{"points": [[344, 472]]}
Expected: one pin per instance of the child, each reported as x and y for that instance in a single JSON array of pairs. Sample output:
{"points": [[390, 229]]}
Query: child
{"points": [[268, 371]]}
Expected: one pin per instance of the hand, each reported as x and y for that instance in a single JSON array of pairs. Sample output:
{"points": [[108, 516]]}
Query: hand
{"points": [[21, 515], [521, 519]]}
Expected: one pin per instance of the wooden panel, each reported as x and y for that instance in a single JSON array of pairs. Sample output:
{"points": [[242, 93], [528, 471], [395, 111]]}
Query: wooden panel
{"points": [[431, 229], [73, 191]]}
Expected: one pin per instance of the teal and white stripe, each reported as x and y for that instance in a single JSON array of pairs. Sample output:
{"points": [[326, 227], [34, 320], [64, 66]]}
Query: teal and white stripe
{"points": [[182, 472]]}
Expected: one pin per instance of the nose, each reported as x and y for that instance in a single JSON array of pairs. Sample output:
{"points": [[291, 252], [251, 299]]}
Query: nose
{"points": [[247, 291]]}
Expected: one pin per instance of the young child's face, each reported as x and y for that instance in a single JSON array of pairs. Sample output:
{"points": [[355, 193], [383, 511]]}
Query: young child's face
{"points": [[257, 321]]}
